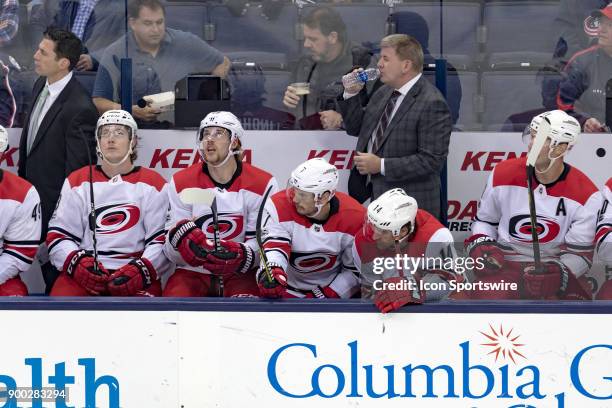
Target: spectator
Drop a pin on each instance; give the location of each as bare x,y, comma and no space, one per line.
9,21
97,23
247,82
160,57
56,130
582,91
404,130
329,56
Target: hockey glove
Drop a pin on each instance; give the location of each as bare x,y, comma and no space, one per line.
190,242
390,299
80,267
234,257
275,289
487,249
132,278
551,282
322,293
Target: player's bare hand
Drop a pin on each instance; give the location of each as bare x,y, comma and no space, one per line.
291,98
592,125
146,114
352,88
330,120
367,163
85,63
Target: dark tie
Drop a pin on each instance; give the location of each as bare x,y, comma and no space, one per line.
384,121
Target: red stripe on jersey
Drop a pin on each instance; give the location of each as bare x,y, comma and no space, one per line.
609,184
602,232
283,246
348,219
576,185
13,187
140,175
53,236
29,251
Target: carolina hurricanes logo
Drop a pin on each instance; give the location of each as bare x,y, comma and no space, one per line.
312,261
116,218
230,225
546,227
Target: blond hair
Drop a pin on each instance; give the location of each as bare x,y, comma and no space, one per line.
407,48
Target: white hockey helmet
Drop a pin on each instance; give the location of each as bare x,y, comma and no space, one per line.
4,144
563,128
315,176
391,211
116,117
225,120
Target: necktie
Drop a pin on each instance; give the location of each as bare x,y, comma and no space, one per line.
384,121
34,119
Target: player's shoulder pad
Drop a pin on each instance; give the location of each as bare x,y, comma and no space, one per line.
427,226
150,177
511,172
80,176
350,215
253,179
285,211
579,187
192,176
14,187
608,185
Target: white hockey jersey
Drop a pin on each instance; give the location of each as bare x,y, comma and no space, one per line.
314,254
20,225
603,236
238,203
130,214
430,248
566,215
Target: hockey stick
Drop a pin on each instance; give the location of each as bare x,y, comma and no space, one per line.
91,218
262,253
532,156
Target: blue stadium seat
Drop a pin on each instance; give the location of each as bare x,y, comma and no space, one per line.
187,16
276,83
460,20
87,79
520,31
254,32
364,22
468,117
509,92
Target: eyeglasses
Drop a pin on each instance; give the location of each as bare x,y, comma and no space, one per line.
213,134
107,133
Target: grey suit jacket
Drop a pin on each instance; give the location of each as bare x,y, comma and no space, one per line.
415,143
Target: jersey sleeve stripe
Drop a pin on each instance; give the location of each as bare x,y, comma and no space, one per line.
19,256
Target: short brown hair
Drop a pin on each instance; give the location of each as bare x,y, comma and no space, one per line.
134,7
326,20
406,47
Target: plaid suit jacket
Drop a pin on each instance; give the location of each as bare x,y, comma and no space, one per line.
415,143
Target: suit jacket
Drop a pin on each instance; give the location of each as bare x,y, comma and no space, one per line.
415,143
59,147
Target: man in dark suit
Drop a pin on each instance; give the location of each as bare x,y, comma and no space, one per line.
403,131
56,130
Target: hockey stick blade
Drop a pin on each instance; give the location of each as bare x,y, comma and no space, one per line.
194,195
262,253
538,142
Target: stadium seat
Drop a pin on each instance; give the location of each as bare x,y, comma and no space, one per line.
254,32
273,60
87,79
276,83
460,23
509,92
187,16
468,118
365,23
520,31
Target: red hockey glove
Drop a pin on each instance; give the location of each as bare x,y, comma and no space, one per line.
190,242
275,289
551,282
80,267
132,278
390,299
234,257
322,293
487,249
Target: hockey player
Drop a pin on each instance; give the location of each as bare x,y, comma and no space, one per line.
603,239
239,189
130,210
566,204
310,230
422,271
20,227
